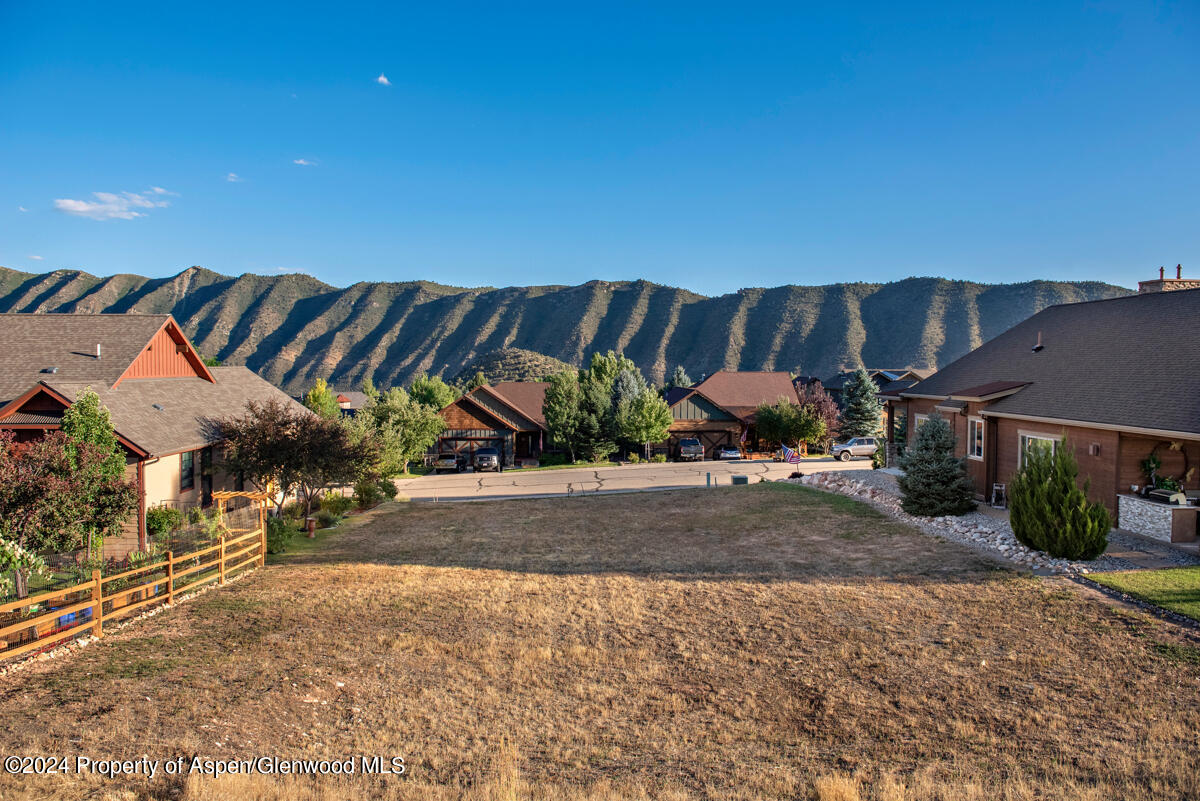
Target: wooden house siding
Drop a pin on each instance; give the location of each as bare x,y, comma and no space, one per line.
164,357
464,415
696,407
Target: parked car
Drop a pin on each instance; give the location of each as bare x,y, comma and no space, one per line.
488,459
690,450
447,462
859,446
727,452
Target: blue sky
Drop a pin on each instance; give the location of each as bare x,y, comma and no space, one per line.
701,145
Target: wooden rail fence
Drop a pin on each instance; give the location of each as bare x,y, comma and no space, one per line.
50,618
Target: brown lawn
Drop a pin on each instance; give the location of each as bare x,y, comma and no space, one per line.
742,643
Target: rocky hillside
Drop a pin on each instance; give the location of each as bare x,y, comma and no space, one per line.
512,364
293,329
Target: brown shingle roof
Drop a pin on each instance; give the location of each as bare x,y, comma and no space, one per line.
188,406
525,397
32,343
737,390
1129,361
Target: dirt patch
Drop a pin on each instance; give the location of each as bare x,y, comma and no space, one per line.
760,642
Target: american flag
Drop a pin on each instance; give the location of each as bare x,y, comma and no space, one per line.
745,431
790,456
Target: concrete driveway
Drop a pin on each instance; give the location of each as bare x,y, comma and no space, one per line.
627,478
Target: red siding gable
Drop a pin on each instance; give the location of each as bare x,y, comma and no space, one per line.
167,355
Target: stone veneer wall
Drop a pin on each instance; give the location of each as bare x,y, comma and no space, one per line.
1144,517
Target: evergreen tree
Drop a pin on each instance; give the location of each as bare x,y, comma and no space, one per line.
322,402
1048,510
561,410
368,387
596,419
679,378
935,483
862,413
478,380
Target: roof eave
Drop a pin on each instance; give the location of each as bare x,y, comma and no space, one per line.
1062,421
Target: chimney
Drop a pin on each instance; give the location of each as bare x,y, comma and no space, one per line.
1164,284
97,350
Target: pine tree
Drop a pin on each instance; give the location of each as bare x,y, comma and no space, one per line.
1048,510
561,410
862,413
934,482
679,378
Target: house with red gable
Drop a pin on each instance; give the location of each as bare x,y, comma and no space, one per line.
161,395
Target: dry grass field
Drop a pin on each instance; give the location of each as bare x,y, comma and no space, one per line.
767,642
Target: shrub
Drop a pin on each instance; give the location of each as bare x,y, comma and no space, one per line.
337,505
635,459
326,518
552,459
1048,510
367,493
293,510
879,457
934,482
387,488
279,534
163,520
659,458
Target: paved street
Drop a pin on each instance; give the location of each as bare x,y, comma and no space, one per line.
628,478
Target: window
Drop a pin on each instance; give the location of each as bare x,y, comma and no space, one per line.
1030,439
187,471
975,438
921,419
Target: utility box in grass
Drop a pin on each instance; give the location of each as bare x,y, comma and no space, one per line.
740,480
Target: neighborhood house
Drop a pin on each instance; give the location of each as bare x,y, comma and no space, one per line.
161,395
721,409
506,416
1116,379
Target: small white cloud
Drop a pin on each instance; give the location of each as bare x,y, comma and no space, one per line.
233,178
382,80
22,208
304,162
109,206
35,258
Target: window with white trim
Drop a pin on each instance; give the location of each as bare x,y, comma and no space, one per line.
975,438
1029,439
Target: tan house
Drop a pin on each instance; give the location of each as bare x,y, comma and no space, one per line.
161,395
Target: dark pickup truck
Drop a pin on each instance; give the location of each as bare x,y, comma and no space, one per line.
690,450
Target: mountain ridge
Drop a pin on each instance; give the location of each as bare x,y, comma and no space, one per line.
292,328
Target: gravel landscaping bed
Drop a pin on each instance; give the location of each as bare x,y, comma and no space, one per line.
977,530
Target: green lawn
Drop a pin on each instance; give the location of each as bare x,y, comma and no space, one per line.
1177,589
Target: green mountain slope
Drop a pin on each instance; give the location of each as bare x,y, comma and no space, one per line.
512,364
293,329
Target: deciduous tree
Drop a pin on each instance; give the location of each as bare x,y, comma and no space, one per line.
321,400
432,392
561,409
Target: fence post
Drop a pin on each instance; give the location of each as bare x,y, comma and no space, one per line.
170,577
221,559
262,541
97,604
